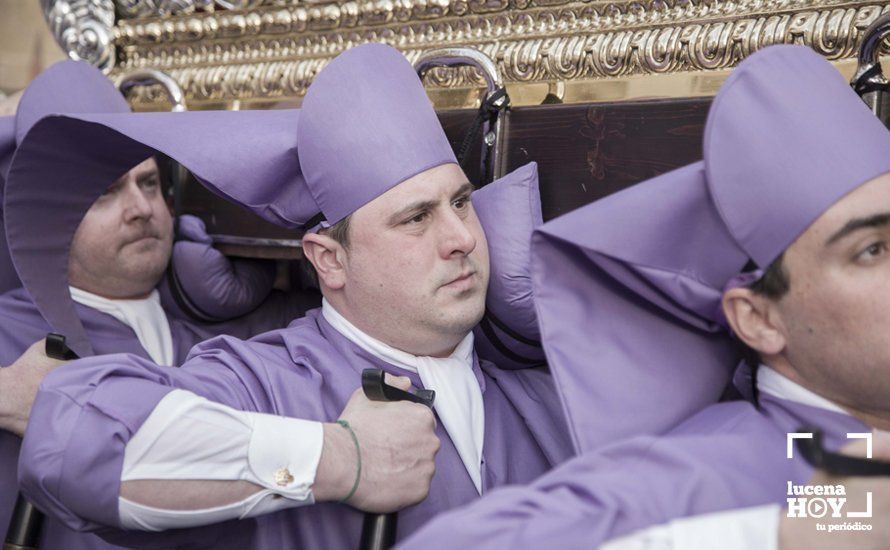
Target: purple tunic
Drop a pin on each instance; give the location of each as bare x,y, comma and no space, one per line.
87,411
704,465
23,325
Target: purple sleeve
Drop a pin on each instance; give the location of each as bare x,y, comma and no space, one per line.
600,496
87,410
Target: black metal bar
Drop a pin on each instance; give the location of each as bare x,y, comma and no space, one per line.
379,530
24,527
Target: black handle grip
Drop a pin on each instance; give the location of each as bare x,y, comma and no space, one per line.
379,530
57,348
376,389
24,526
835,463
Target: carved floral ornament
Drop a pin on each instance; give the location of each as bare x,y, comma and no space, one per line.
249,49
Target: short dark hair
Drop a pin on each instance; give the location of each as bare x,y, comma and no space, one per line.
773,284
340,233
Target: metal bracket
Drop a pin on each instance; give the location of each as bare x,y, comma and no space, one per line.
494,82
869,81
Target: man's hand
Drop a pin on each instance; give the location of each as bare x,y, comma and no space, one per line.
398,445
18,386
802,533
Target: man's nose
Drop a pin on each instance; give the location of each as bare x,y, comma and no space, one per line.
456,236
136,204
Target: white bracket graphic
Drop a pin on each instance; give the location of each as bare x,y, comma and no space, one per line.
790,441
806,435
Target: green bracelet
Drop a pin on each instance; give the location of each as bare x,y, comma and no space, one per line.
358,451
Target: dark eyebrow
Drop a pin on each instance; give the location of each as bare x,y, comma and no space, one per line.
878,220
422,206
464,189
148,175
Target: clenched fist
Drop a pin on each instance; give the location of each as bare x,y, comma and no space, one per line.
398,448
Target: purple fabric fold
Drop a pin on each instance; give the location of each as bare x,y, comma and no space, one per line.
628,289
626,318
509,210
219,287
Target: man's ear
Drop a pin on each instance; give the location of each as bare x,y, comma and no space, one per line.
327,256
754,320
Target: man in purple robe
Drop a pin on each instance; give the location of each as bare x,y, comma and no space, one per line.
779,237
92,260
403,265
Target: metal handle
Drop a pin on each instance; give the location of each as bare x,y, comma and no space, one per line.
869,81
376,389
150,77
459,57
494,82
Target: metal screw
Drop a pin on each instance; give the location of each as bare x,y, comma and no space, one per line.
489,139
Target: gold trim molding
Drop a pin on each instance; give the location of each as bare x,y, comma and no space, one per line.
270,53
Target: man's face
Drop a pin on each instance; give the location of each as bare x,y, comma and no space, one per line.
122,246
417,263
836,315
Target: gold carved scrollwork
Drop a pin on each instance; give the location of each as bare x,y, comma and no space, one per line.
274,50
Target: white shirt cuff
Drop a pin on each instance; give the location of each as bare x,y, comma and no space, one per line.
188,437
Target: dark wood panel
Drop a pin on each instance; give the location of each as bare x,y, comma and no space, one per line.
585,152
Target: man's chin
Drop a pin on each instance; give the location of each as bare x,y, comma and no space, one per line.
465,317
148,267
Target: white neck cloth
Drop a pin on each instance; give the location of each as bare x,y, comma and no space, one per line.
146,317
458,395
772,382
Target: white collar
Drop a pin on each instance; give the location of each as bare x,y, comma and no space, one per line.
87,298
383,351
458,395
778,385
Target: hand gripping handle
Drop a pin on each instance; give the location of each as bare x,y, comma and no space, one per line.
379,530
27,521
